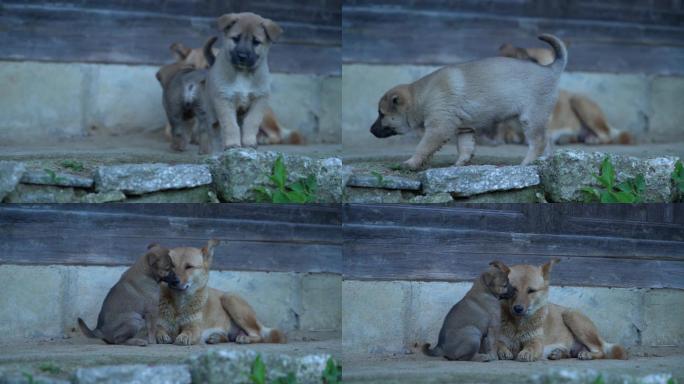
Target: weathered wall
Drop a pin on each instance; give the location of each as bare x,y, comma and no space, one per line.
43,101
45,301
630,316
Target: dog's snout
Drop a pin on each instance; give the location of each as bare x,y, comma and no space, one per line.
518,309
381,132
171,279
242,55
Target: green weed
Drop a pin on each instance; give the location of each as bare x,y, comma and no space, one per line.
629,191
72,164
280,191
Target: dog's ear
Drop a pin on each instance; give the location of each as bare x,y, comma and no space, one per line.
228,20
546,268
273,30
180,51
501,266
208,250
152,245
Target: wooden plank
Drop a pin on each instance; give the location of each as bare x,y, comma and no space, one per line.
145,37
362,263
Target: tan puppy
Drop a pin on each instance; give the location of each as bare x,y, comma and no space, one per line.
132,303
270,130
471,327
532,328
575,118
473,96
239,81
191,313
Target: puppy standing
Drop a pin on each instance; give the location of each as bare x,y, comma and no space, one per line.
132,303
470,328
532,328
239,81
190,312
473,96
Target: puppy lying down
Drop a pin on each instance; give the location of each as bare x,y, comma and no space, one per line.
463,98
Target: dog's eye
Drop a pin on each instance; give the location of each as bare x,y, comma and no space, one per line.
236,38
531,290
256,42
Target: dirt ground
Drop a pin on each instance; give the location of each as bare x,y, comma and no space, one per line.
417,368
66,355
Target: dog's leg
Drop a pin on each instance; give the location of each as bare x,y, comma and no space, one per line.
487,347
194,132
151,325
435,136
252,121
179,133
531,351
165,320
584,330
216,338
226,114
502,351
466,145
189,335
535,132
244,316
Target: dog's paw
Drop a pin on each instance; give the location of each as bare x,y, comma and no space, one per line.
136,342
556,354
585,355
215,338
163,338
484,357
504,354
243,339
412,164
183,339
525,355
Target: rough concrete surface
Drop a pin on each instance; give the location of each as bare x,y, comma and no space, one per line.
137,179
632,317
478,179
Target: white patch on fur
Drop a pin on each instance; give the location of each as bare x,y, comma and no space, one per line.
190,93
265,332
208,332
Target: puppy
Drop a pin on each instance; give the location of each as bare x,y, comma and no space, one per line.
191,313
470,328
184,99
239,81
132,303
575,118
270,130
473,96
532,328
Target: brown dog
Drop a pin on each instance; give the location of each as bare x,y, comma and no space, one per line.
532,328
132,303
191,313
575,118
471,327
271,132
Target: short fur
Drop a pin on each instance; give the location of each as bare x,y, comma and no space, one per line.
470,328
271,132
533,329
473,96
131,305
575,118
191,313
239,81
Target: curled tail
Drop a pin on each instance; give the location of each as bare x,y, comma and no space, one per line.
272,335
434,352
93,334
207,50
559,50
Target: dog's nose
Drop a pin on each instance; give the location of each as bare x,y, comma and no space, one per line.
242,55
518,309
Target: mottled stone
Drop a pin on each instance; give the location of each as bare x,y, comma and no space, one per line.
63,179
372,195
386,182
565,173
239,171
190,195
136,179
31,194
10,174
589,376
476,179
14,377
438,198
103,197
230,366
133,374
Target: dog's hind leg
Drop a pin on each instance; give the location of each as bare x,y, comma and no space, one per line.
584,330
244,316
466,145
535,132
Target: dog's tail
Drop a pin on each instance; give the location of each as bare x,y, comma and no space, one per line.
559,50
434,352
93,334
208,52
272,335
614,351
